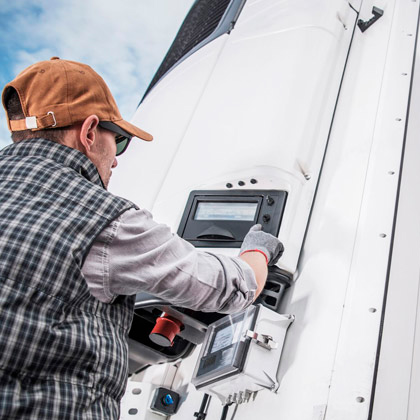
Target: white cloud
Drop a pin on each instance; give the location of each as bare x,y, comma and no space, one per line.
124,42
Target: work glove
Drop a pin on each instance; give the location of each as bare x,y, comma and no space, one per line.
258,241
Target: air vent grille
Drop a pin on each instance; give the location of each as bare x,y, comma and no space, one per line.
200,23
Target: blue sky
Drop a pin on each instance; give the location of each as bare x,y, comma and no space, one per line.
124,42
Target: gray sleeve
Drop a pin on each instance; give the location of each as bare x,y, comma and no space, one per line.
136,254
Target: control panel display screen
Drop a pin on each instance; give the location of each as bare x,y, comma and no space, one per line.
225,211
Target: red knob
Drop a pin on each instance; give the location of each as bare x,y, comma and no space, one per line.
165,330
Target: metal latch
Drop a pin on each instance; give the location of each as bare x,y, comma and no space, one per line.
262,340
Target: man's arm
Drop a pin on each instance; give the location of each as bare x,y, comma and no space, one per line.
136,254
258,263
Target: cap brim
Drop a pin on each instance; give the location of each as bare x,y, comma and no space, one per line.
133,130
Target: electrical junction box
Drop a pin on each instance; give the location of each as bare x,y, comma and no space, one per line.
241,354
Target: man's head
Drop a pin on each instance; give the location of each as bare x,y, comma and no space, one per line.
69,103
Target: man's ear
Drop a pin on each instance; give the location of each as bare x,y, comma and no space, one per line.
87,134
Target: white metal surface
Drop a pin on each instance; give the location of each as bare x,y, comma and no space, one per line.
257,103
328,363
393,47
398,381
136,400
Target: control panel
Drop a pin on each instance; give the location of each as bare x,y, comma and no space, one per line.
221,219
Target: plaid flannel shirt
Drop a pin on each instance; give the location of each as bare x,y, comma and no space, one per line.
63,353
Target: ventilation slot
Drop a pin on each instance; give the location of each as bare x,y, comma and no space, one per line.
274,289
200,23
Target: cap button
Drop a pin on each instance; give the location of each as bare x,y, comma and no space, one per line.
54,58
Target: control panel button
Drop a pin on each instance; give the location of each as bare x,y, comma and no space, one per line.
266,218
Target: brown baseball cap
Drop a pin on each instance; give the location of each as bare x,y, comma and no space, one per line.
59,93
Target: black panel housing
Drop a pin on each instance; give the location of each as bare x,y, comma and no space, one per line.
230,233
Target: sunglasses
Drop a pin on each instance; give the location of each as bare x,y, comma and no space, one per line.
122,144
122,138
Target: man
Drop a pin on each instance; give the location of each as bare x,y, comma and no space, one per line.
72,255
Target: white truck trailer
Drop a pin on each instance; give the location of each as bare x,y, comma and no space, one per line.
302,115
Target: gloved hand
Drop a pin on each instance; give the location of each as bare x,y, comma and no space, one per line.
257,240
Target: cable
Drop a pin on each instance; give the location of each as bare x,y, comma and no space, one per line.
234,411
225,411
202,413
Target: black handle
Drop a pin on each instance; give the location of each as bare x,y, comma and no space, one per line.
377,13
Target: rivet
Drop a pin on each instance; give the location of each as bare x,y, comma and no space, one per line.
382,235
397,119
404,74
373,310
391,173
360,399
253,181
136,391
133,411
241,183
229,185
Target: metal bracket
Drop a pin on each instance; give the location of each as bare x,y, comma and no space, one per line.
262,340
365,24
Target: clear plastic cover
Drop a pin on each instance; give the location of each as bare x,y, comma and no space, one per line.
224,349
